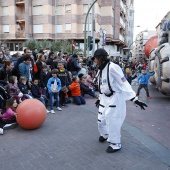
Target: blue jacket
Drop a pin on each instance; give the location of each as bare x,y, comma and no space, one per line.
24,70
143,78
51,81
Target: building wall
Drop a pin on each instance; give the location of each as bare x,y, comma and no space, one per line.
107,17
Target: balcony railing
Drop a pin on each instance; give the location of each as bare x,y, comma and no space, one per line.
121,38
122,22
20,34
20,16
19,1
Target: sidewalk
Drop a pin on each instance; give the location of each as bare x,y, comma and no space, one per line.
68,140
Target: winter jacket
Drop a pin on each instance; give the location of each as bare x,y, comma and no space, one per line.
13,89
36,91
130,78
8,115
24,70
44,77
64,77
23,88
4,77
75,88
72,65
51,81
143,78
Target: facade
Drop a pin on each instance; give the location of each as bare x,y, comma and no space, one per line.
140,41
65,19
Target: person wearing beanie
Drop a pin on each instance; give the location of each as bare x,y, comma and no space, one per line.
114,90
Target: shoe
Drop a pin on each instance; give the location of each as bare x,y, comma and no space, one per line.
52,111
149,97
1,131
102,139
64,105
113,147
10,126
47,111
58,108
137,94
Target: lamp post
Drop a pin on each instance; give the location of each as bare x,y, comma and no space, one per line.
85,27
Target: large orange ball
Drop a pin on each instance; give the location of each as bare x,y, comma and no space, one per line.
31,114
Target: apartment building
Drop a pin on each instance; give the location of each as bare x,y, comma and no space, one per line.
65,19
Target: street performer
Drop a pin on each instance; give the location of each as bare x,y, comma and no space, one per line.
114,90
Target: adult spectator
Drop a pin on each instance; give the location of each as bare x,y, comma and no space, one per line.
7,54
6,71
24,69
1,59
73,66
50,61
39,63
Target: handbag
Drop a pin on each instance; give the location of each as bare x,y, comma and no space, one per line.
64,89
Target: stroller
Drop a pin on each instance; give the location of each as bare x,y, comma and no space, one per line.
3,97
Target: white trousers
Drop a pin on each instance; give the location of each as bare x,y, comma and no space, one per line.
112,112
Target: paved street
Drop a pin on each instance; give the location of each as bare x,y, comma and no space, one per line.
68,140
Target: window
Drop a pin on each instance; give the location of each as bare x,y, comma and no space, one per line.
37,28
5,11
87,27
5,28
58,29
68,27
86,8
38,10
68,8
59,10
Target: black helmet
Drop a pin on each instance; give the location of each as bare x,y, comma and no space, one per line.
101,53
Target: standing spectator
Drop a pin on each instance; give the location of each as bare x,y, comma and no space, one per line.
1,59
64,76
7,54
76,92
44,77
130,77
73,66
24,69
50,61
39,63
54,87
143,82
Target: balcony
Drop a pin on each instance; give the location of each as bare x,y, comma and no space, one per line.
123,6
121,38
122,22
20,34
19,2
20,17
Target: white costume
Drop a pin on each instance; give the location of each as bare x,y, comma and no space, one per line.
112,110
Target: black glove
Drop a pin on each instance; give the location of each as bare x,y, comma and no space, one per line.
139,103
97,103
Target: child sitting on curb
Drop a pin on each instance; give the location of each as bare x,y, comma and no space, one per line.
76,92
9,116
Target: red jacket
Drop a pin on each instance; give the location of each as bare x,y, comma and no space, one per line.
75,89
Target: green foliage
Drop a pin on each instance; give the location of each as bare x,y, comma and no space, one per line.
59,45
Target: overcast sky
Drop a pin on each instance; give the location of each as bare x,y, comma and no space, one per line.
148,14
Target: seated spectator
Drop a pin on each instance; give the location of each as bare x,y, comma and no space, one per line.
9,116
85,89
14,90
76,92
37,92
24,87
